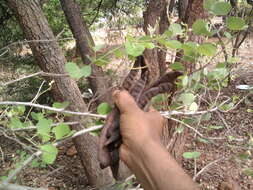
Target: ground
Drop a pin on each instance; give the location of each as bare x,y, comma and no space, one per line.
225,158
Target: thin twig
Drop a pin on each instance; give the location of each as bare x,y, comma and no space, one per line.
196,131
53,125
52,109
206,167
39,152
33,75
35,41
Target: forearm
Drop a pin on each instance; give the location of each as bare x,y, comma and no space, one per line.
157,170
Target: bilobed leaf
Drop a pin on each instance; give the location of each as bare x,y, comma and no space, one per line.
19,110
16,123
86,70
44,128
191,155
60,105
180,129
218,74
49,153
221,8
207,49
118,53
61,131
235,23
159,98
134,49
177,66
200,27
73,70
176,29
193,106
173,44
37,116
104,108
185,80
206,117
228,35
187,98
208,4
149,45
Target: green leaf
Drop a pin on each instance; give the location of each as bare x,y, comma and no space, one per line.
61,105
159,98
185,80
44,128
187,98
19,110
177,66
190,51
235,23
211,127
104,108
180,129
16,123
73,70
221,8
203,140
149,45
218,74
207,49
191,155
208,4
176,29
61,131
134,49
193,106
37,116
233,59
101,61
206,117
118,53
228,35
173,44
248,172
200,27
85,71
49,153
227,107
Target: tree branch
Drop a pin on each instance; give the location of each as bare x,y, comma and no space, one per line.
52,109
39,152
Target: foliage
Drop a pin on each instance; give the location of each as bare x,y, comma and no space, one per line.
49,126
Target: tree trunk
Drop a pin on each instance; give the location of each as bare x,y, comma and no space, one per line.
84,41
156,16
51,59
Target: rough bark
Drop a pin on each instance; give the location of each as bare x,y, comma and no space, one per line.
50,58
189,12
156,16
157,12
84,41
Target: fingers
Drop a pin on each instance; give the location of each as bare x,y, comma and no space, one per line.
125,102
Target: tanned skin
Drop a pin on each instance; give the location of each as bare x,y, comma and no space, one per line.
142,149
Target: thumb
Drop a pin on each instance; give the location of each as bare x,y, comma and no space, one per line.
125,102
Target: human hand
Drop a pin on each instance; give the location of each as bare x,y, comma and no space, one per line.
138,128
